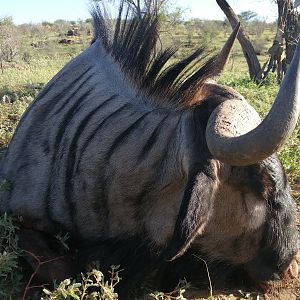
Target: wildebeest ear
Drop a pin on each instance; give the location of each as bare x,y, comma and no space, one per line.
193,215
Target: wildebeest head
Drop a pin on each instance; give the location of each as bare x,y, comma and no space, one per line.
120,148
248,219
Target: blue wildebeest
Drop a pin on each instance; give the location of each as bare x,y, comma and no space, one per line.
144,162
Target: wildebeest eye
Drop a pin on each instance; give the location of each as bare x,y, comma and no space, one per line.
277,206
259,180
246,179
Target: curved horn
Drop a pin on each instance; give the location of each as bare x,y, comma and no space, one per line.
239,145
223,56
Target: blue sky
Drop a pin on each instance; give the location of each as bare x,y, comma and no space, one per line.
25,11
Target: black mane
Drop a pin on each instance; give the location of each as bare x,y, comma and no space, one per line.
132,42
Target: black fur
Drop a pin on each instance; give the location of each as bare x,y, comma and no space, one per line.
120,139
133,44
193,213
96,130
151,140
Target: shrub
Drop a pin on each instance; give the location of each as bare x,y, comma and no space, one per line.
92,286
10,271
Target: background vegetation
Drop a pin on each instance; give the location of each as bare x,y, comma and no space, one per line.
31,54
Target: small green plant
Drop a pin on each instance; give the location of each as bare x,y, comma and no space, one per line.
177,294
10,271
92,286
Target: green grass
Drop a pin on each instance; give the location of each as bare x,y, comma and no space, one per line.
18,87
10,270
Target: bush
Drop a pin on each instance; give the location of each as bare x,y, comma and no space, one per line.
92,286
10,271
9,41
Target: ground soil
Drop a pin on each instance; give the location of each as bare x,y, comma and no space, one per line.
288,290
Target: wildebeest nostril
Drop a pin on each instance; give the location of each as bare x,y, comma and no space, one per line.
293,269
276,276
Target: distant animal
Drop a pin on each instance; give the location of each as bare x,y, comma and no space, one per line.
65,41
39,44
73,32
149,163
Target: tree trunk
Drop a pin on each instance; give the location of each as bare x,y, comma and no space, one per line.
292,30
254,66
277,60
284,44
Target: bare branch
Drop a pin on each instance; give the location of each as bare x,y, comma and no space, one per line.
247,47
